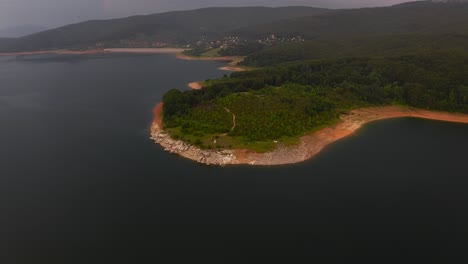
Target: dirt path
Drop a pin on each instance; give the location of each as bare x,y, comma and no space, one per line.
233,118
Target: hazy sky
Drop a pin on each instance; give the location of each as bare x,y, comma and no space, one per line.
53,13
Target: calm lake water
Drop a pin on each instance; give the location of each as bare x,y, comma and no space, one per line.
81,182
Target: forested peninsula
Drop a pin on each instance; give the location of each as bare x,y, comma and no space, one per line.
318,78
303,76
267,116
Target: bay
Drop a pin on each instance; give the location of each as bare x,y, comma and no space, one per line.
80,180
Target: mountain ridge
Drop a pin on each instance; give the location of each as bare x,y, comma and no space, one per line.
172,28
420,17
254,24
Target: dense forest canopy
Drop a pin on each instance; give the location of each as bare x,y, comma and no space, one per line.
410,18
291,99
354,46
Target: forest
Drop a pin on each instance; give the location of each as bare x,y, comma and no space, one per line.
359,46
285,101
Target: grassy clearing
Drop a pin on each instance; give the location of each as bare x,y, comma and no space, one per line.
222,141
211,53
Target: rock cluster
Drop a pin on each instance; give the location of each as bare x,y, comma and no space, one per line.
209,157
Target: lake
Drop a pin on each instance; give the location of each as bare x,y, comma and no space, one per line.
81,182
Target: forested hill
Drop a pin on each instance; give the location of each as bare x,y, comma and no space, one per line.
173,28
254,24
291,99
410,18
355,46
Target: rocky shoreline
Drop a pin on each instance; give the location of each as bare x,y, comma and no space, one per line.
208,157
309,146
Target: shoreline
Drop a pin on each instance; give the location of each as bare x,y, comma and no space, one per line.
209,157
232,66
309,146
146,50
195,85
231,60
99,51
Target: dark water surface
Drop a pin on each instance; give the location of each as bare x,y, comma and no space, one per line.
80,181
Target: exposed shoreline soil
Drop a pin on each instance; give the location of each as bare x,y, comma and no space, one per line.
232,66
146,50
231,60
309,146
195,85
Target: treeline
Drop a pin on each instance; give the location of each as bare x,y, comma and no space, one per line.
290,99
242,49
418,18
196,52
358,46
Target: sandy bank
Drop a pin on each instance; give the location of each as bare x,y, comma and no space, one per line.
310,145
195,85
146,50
157,111
222,58
232,66
232,61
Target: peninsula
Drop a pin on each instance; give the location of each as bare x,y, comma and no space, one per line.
297,72
308,146
289,113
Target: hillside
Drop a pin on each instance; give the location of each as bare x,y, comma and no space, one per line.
355,46
175,28
410,18
253,25
283,102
